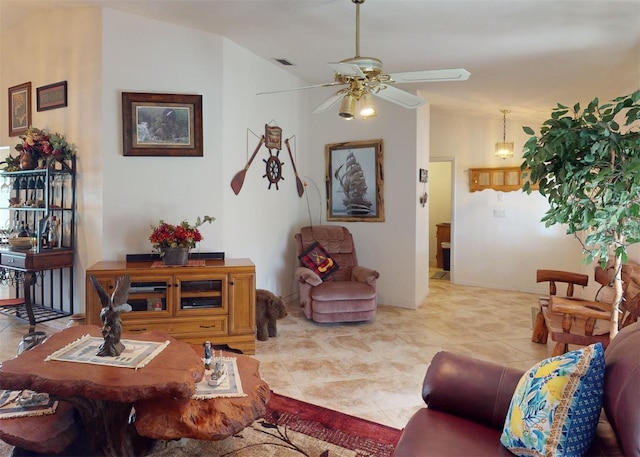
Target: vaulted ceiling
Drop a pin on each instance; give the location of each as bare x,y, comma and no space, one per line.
523,55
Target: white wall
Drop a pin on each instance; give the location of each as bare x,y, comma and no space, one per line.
420,235
104,52
261,223
31,52
389,246
151,56
143,55
497,252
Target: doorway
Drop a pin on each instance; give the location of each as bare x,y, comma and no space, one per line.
440,217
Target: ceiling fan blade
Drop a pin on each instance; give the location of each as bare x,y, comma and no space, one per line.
347,69
329,102
452,74
399,97
334,83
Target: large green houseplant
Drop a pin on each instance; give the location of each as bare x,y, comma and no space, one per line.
586,162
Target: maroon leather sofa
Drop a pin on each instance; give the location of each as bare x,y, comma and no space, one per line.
468,399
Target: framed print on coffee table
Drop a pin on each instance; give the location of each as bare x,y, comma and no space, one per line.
19,109
161,124
354,180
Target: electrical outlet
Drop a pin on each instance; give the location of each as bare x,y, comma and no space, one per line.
501,213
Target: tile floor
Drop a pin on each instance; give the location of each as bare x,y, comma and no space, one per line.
375,369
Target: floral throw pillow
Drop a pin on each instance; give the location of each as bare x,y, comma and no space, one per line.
555,408
317,259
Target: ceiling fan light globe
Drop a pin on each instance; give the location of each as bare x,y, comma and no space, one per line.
347,107
367,109
367,113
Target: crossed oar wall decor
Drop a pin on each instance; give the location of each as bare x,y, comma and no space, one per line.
272,138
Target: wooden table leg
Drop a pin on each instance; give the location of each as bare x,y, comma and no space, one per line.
540,332
107,430
28,281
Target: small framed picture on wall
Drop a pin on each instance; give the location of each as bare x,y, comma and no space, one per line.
51,96
19,109
423,175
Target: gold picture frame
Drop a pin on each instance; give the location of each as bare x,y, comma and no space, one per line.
161,124
354,181
19,109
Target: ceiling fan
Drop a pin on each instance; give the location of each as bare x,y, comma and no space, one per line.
363,77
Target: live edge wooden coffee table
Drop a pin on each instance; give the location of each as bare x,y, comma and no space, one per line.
104,396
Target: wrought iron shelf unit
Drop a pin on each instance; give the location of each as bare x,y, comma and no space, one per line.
40,276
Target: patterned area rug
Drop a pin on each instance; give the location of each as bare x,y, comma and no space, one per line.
290,428
294,428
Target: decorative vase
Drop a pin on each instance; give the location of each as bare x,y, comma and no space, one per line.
175,256
26,161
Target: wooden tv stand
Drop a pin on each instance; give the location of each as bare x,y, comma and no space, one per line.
212,301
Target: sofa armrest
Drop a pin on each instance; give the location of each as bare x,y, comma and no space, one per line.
364,274
304,274
470,388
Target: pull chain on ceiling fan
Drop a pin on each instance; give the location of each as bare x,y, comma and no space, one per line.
363,79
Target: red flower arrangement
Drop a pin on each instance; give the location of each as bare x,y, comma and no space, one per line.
182,235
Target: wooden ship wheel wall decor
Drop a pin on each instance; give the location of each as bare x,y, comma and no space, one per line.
272,139
273,169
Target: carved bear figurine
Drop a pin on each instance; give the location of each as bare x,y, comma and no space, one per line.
269,308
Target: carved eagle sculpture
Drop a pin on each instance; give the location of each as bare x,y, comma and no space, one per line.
112,306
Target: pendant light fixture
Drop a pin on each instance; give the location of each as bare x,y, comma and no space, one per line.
504,148
357,95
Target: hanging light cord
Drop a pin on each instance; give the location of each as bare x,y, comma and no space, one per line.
504,126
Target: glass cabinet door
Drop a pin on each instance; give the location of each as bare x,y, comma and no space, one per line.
149,295
207,294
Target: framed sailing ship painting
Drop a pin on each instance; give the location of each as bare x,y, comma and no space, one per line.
354,180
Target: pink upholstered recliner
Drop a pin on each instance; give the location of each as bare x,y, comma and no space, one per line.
348,294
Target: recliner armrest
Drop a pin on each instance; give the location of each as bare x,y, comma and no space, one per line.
470,388
364,274
304,274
